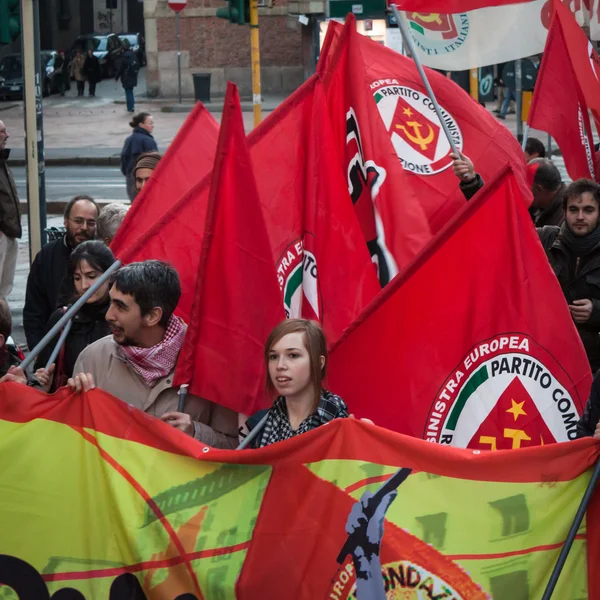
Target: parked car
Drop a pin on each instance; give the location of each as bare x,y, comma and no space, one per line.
106,48
11,75
137,44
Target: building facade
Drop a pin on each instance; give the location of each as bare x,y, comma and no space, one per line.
213,45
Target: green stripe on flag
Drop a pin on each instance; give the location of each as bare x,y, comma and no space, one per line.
478,378
293,283
378,97
416,27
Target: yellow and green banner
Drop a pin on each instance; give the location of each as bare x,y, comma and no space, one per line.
101,501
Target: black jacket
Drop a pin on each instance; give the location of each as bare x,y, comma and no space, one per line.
137,143
10,213
553,214
8,358
579,279
126,71
48,287
89,325
591,415
91,69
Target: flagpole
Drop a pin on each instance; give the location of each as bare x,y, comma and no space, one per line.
525,136
70,314
61,341
408,42
564,553
252,434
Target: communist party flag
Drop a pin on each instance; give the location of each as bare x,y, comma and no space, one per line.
460,347
559,104
323,264
449,6
323,268
237,301
188,159
396,154
121,505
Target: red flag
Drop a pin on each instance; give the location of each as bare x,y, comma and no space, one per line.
462,335
323,264
305,199
237,301
449,6
558,106
396,151
188,159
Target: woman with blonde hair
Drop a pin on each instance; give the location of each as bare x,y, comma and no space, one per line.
296,363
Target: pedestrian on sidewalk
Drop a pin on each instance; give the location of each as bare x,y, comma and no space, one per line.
10,219
128,73
91,69
139,142
87,262
61,73
48,285
77,72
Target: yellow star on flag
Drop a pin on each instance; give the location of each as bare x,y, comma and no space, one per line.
408,112
516,409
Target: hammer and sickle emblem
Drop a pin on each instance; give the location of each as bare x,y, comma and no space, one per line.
416,137
428,18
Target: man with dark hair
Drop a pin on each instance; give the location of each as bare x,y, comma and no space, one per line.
137,362
534,148
546,186
573,251
48,286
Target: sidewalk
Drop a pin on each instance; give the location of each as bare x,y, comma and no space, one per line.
92,130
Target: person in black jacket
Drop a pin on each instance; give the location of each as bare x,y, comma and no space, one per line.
589,424
128,73
91,69
87,262
47,285
139,142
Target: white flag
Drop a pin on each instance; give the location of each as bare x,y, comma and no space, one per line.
480,37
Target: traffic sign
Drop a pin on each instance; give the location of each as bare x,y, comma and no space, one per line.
177,5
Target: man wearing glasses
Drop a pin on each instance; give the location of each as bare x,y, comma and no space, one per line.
48,284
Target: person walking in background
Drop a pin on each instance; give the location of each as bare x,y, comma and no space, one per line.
77,71
128,73
139,142
10,219
61,73
91,69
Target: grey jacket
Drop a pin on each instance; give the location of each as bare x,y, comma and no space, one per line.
10,213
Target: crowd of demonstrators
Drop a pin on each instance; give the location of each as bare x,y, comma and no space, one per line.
8,355
139,142
110,219
48,286
127,72
10,219
86,264
137,362
296,362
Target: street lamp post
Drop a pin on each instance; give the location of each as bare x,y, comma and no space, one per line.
178,6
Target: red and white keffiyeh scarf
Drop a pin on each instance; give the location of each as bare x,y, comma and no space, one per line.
154,363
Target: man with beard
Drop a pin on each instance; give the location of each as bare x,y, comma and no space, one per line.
137,362
48,285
